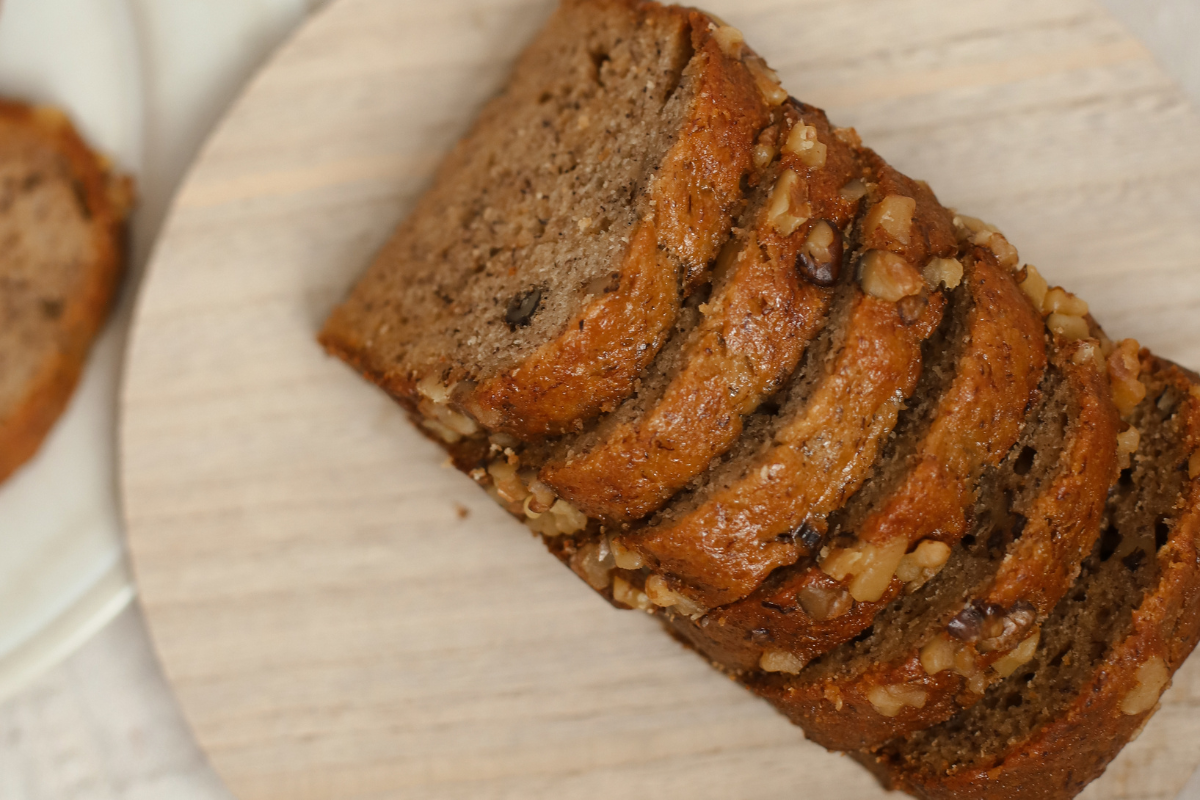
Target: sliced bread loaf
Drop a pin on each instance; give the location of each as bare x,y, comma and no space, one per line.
768,302
61,215
936,650
545,268
982,372
1109,649
716,544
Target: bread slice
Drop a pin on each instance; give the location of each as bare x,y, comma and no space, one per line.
716,544
767,303
1108,651
937,650
982,374
545,268
61,215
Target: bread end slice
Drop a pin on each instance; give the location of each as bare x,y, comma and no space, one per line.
62,210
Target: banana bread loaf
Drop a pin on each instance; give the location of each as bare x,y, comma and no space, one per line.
739,372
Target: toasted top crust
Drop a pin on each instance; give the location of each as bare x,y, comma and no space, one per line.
545,268
760,317
995,379
842,710
60,220
721,549
1055,759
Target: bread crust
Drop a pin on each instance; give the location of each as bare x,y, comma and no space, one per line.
1059,758
1063,525
721,551
107,198
975,423
754,330
593,361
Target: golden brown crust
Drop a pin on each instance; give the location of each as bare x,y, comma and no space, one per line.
722,551
107,198
975,424
1063,524
754,330
1059,758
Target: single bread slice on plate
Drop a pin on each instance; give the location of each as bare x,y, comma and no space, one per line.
770,297
546,267
1110,647
61,215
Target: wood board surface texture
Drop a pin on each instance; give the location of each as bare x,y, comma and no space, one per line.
340,615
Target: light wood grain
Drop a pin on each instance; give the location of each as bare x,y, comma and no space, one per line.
331,625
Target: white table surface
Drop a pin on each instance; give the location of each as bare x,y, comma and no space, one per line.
103,724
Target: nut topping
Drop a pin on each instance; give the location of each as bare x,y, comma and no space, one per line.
1019,657
1127,444
872,567
889,701
1060,301
822,603
625,558
781,661
894,214
730,40
767,81
1152,678
1034,286
1123,370
820,259
763,155
779,209
917,567
938,655
948,271
1069,328
623,592
853,191
804,144
888,276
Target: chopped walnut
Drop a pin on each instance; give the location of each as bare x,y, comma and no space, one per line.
509,486
938,655
1068,327
917,567
1060,301
1127,444
1021,655
542,497
823,603
1124,366
781,661
853,191
568,518
625,558
1152,678
871,566
889,277
593,562
1006,254
967,227
947,271
894,214
889,701
1089,352
779,209
730,40
1034,286
432,388
802,142
623,592
763,155
848,136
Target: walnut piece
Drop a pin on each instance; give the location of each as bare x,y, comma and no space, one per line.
781,661
947,271
894,214
871,566
889,277
803,143
1152,678
889,701
824,603
1018,657
779,208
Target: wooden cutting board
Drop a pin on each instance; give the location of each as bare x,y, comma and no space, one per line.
343,617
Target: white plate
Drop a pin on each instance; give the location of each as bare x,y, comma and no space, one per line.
62,571
143,80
